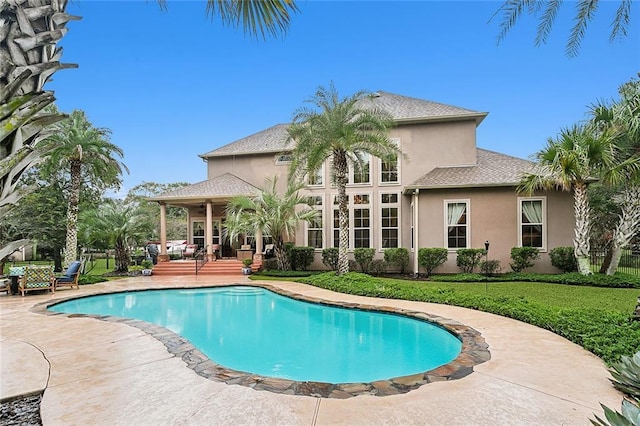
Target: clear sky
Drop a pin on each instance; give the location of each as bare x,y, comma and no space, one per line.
172,85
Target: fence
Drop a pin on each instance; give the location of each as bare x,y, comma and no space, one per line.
629,261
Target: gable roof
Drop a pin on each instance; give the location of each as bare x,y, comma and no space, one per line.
492,169
223,186
403,109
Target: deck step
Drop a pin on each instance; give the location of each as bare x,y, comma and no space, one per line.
188,267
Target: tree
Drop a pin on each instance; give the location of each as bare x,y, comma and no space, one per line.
84,149
271,214
546,12
29,57
343,131
569,162
118,224
622,117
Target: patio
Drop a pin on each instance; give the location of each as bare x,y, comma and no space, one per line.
98,372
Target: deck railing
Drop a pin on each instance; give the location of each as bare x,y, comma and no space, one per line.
201,258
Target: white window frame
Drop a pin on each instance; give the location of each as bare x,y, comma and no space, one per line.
382,205
204,231
467,202
321,174
352,168
321,209
352,207
543,199
396,141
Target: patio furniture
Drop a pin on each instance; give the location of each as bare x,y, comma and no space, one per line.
215,249
15,273
190,250
269,251
70,278
4,285
37,278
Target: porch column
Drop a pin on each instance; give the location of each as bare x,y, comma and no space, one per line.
416,231
208,230
258,253
163,256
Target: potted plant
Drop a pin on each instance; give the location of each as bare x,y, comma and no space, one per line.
246,269
147,265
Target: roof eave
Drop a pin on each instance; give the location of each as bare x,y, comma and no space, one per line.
477,116
410,188
231,154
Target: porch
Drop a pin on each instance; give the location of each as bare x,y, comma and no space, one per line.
188,267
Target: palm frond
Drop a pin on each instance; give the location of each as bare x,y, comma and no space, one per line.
257,18
621,21
547,20
511,10
586,10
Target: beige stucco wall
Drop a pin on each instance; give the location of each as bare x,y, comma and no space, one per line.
251,168
494,217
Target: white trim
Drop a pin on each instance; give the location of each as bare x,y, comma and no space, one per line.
323,177
381,205
543,199
446,203
379,167
350,174
322,210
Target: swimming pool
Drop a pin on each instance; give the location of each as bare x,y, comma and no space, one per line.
255,330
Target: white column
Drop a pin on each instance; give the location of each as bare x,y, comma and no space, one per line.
416,231
258,253
208,230
163,233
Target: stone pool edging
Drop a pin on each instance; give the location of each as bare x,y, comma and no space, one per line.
474,350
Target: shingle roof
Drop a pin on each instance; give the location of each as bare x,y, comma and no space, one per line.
401,108
226,185
492,169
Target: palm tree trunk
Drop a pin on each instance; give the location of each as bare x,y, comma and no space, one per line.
281,256
121,256
581,238
341,170
628,225
71,247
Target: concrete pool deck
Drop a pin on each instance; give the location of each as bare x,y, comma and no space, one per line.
106,373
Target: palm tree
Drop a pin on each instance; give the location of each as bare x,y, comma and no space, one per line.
85,150
623,118
271,214
344,131
119,225
512,10
29,34
569,162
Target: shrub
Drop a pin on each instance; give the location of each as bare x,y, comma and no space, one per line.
302,258
564,259
490,267
247,262
523,258
468,259
330,258
270,264
431,258
364,257
378,267
146,264
399,257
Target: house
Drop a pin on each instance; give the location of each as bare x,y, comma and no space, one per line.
446,193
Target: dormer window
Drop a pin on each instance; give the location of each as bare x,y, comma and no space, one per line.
284,158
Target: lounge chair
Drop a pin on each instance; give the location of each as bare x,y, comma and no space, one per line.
37,278
70,278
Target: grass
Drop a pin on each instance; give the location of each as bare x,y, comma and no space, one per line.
94,269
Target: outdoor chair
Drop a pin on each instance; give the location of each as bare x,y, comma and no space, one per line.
37,278
70,278
4,285
268,251
190,250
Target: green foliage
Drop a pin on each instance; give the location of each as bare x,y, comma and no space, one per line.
564,259
523,257
90,279
270,264
146,264
398,257
597,280
630,416
274,273
330,258
468,259
302,257
378,267
626,378
607,334
364,257
247,262
490,267
431,258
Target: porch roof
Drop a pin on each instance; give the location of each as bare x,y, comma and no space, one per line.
491,169
224,186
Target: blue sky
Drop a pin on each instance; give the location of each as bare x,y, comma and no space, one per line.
175,84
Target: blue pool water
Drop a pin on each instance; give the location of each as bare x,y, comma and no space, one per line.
255,330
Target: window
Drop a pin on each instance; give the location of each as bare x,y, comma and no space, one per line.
198,233
317,178
361,221
361,173
336,228
390,170
457,224
389,215
215,228
532,214
284,158
315,230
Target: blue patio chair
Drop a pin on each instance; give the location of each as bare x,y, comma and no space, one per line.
70,278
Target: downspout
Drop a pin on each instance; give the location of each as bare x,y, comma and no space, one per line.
416,232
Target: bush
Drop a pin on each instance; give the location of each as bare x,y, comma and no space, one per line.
523,258
330,258
378,267
431,258
247,262
364,257
399,257
564,259
270,264
618,280
301,258
146,264
468,259
490,267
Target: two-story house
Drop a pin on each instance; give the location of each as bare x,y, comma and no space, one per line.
445,193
